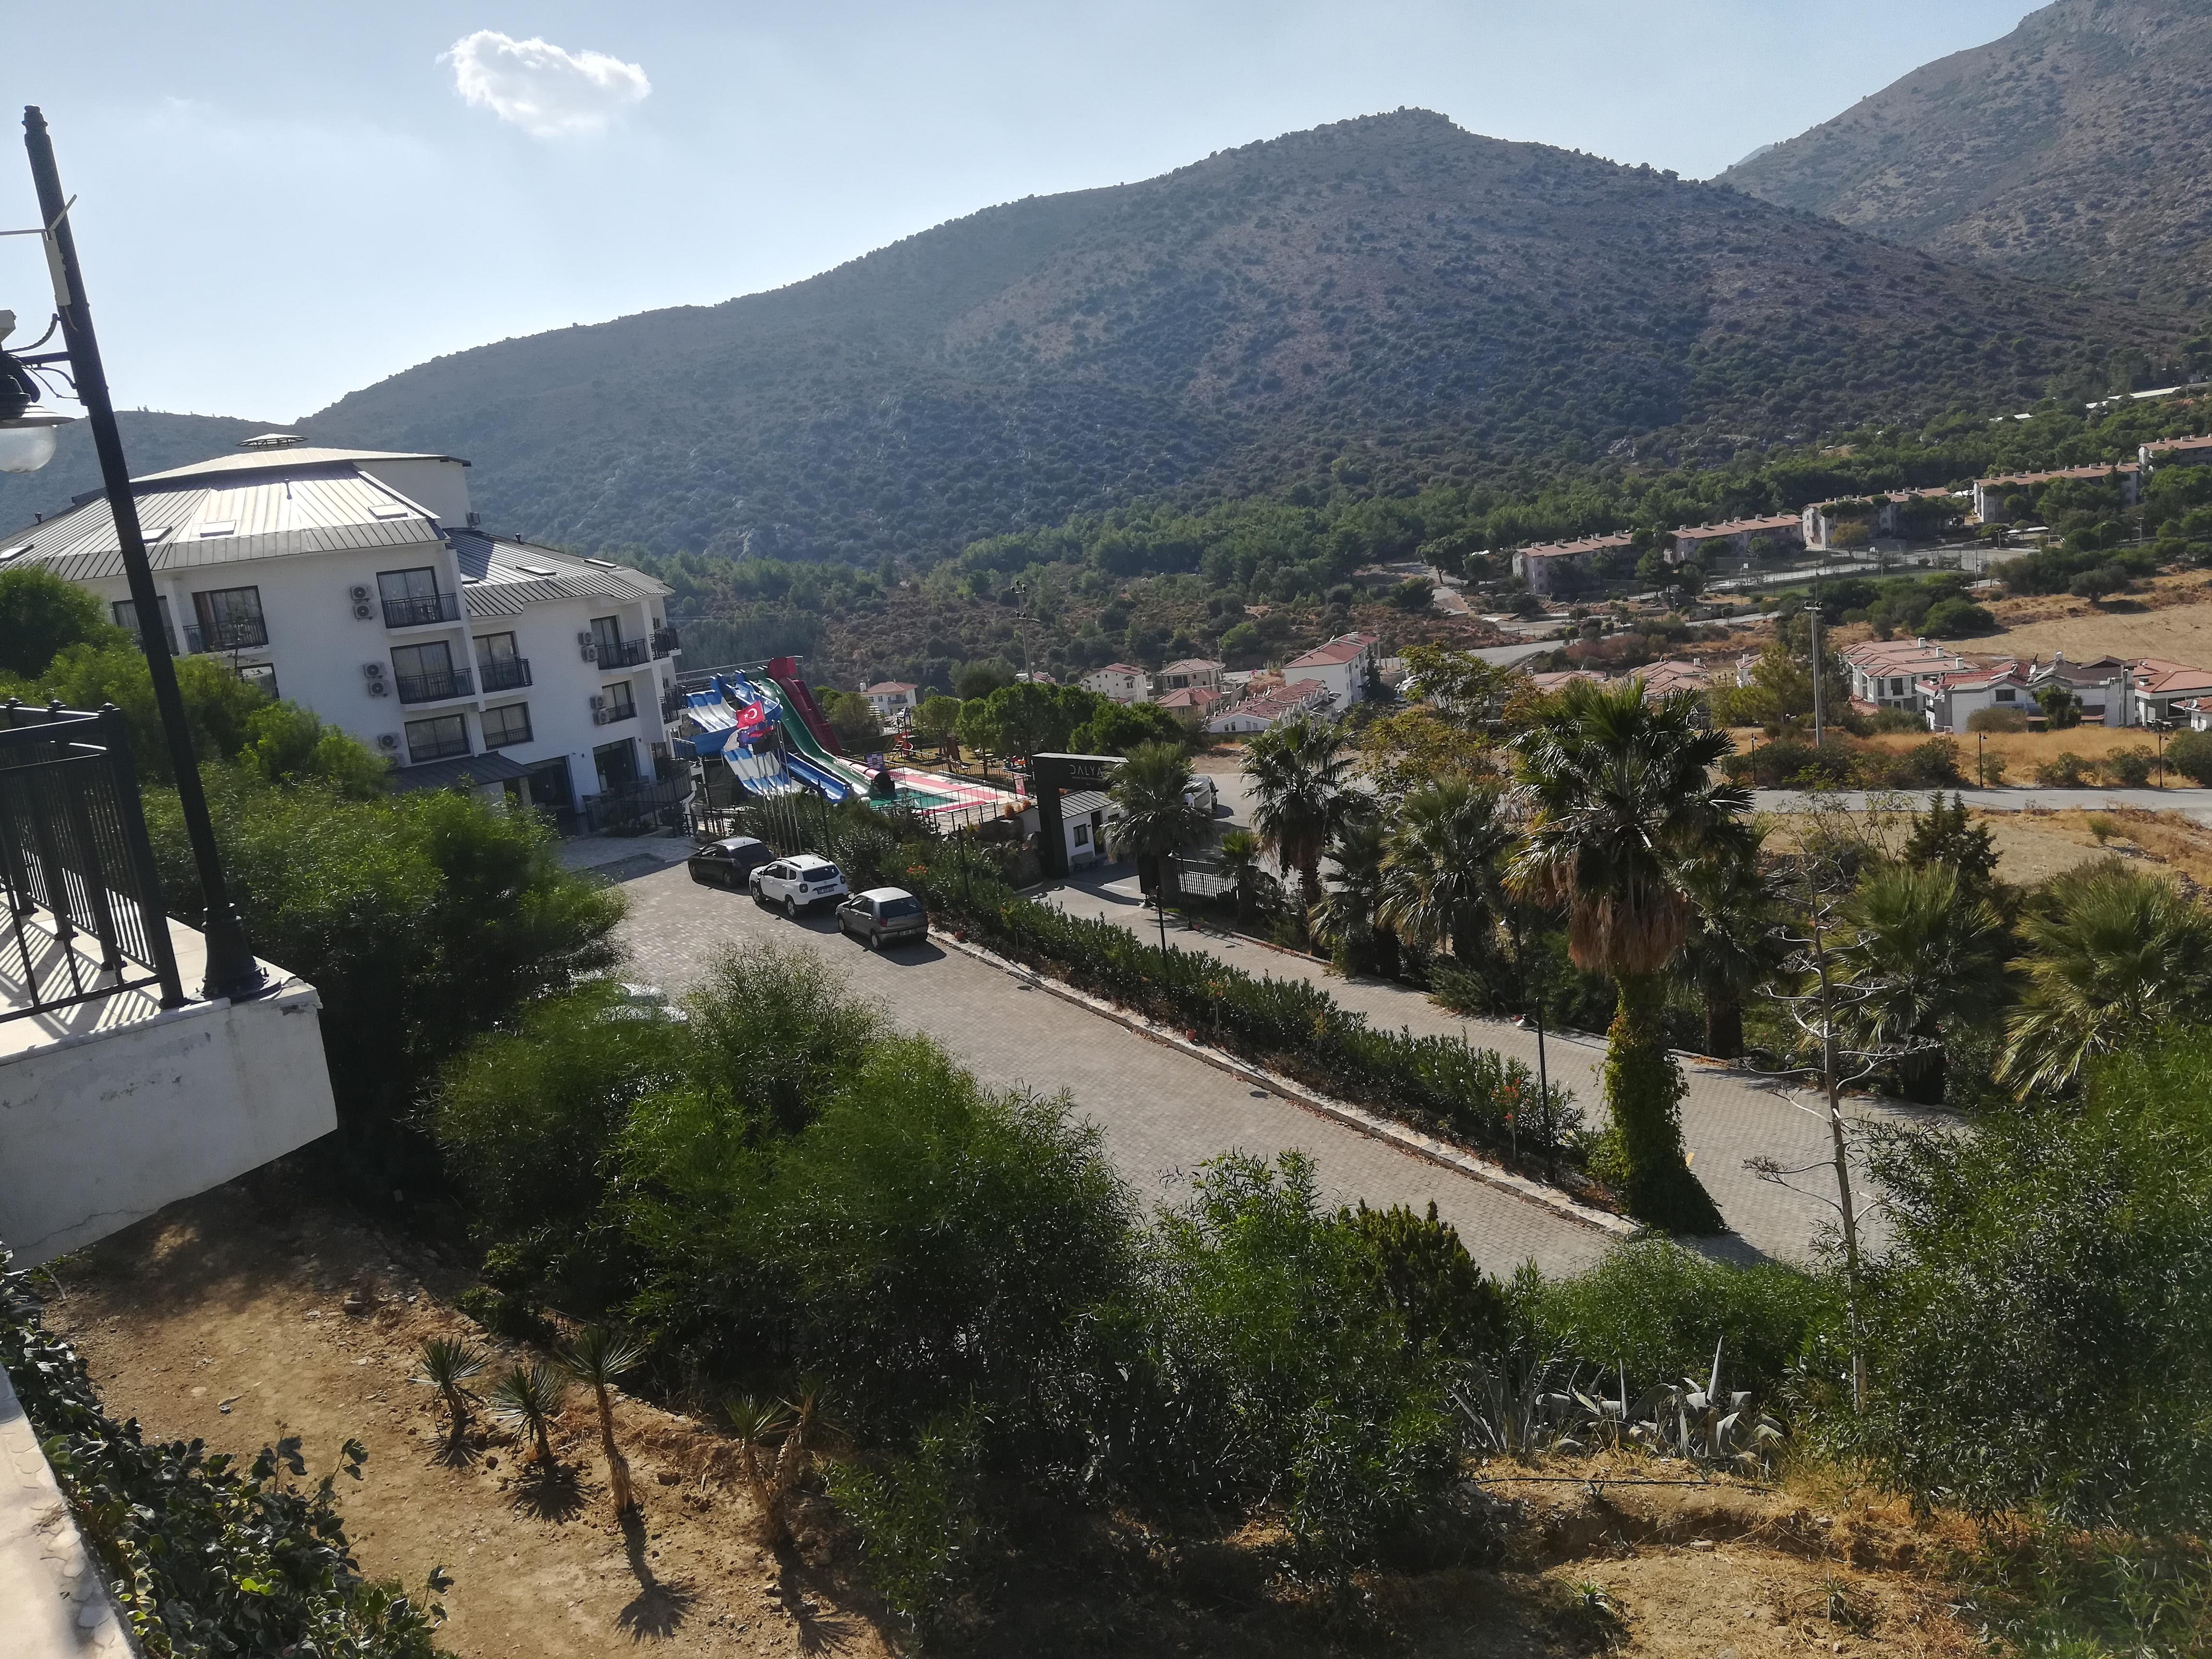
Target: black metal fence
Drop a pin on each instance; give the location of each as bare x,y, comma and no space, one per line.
84,918
640,805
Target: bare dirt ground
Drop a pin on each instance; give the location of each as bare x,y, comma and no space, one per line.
2036,844
225,1319
2168,616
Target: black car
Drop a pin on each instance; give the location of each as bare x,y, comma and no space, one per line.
729,863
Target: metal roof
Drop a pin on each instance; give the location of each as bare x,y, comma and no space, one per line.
286,459
498,580
463,771
329,510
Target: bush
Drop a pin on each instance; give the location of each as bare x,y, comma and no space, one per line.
1930,765
2131,767
1992,769
2190,753
2064,770
1997,719
1656,1310
204,1556
42,614
918,1517
2040,1331
1952,619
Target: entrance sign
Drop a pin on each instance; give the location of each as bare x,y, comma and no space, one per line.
1050,774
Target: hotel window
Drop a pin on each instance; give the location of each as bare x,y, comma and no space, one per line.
508,724
230,618
126,618
438,738
620,703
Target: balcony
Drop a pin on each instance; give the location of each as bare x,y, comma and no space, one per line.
422,609
240,634
506,674
436,687
622,654
128,1090
665,642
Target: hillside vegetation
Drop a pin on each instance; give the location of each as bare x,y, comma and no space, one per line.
2074,149
1389,298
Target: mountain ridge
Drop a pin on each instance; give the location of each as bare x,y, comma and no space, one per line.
1390,298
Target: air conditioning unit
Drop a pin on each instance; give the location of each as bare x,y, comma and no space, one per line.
388,741
378,689
372,670
363,610
584,644
359,593
598,703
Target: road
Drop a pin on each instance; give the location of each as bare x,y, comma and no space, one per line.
1728,1116
1161,1113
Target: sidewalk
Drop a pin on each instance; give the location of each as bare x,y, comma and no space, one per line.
1727,1116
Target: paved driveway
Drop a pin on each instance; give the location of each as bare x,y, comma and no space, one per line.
1727,1117
1161,1112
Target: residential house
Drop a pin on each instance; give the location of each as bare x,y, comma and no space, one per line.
1559,679
357,583
1120,682
1731,539
1950,697
2162,688
2173,452
1820,521
2104,685
1341,665
2196,713
1201,672
892,699
1564,567
1991,495
1672,675
1887,673
1270,709
1191,700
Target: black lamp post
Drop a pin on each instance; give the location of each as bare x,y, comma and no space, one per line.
232,971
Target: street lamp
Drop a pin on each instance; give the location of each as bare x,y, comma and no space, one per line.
27,432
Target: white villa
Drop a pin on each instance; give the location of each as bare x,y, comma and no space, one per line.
358,584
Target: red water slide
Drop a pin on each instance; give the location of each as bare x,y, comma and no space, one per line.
784,670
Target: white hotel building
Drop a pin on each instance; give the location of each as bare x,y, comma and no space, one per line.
357,584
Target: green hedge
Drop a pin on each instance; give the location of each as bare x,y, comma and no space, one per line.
202,1556
1474,1095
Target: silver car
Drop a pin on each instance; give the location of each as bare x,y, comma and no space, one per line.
883,916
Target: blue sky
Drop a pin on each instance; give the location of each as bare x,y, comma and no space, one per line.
279,203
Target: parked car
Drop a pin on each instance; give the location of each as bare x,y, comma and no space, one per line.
883,916
1199,792
798,884
728,863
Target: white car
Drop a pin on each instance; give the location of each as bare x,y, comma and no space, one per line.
797,883
1199,792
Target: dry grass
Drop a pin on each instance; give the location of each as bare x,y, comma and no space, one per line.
2035,845
2169,616
2023,751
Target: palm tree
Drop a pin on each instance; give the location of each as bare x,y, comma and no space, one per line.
526,1400
1734,943
1346,920
2115,956
1240,861
1297,771
1440,876
597,1360
448,1365
1157,821
1923,947
755,1422
1622,807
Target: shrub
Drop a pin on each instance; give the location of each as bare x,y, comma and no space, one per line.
1952,619
2064,770
1997,719
918,1518
1993,770
1656,1310
2102,827
1930,765
2131,767
1893,719
2074,1242
42,614
2190,753
204,1556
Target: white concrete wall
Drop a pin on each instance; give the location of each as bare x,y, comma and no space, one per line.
442,487
100,1129
53,1604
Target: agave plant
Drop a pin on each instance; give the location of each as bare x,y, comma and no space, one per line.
526,1400
597,1360
448,1365
1530,1408
1702,1425
756,1423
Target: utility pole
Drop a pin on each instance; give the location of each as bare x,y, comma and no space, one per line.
232,971
1840,1150
1819,711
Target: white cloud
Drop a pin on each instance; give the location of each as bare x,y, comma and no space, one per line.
546,91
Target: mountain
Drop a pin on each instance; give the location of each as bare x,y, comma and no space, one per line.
2078,149
1383,300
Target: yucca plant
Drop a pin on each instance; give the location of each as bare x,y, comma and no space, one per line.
448,1365
756,1422
526,1400
596,1359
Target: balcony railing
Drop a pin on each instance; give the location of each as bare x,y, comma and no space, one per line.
436,687
431,748
622,654
504,674
614,714
419,610
664,640
80,903
242,634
